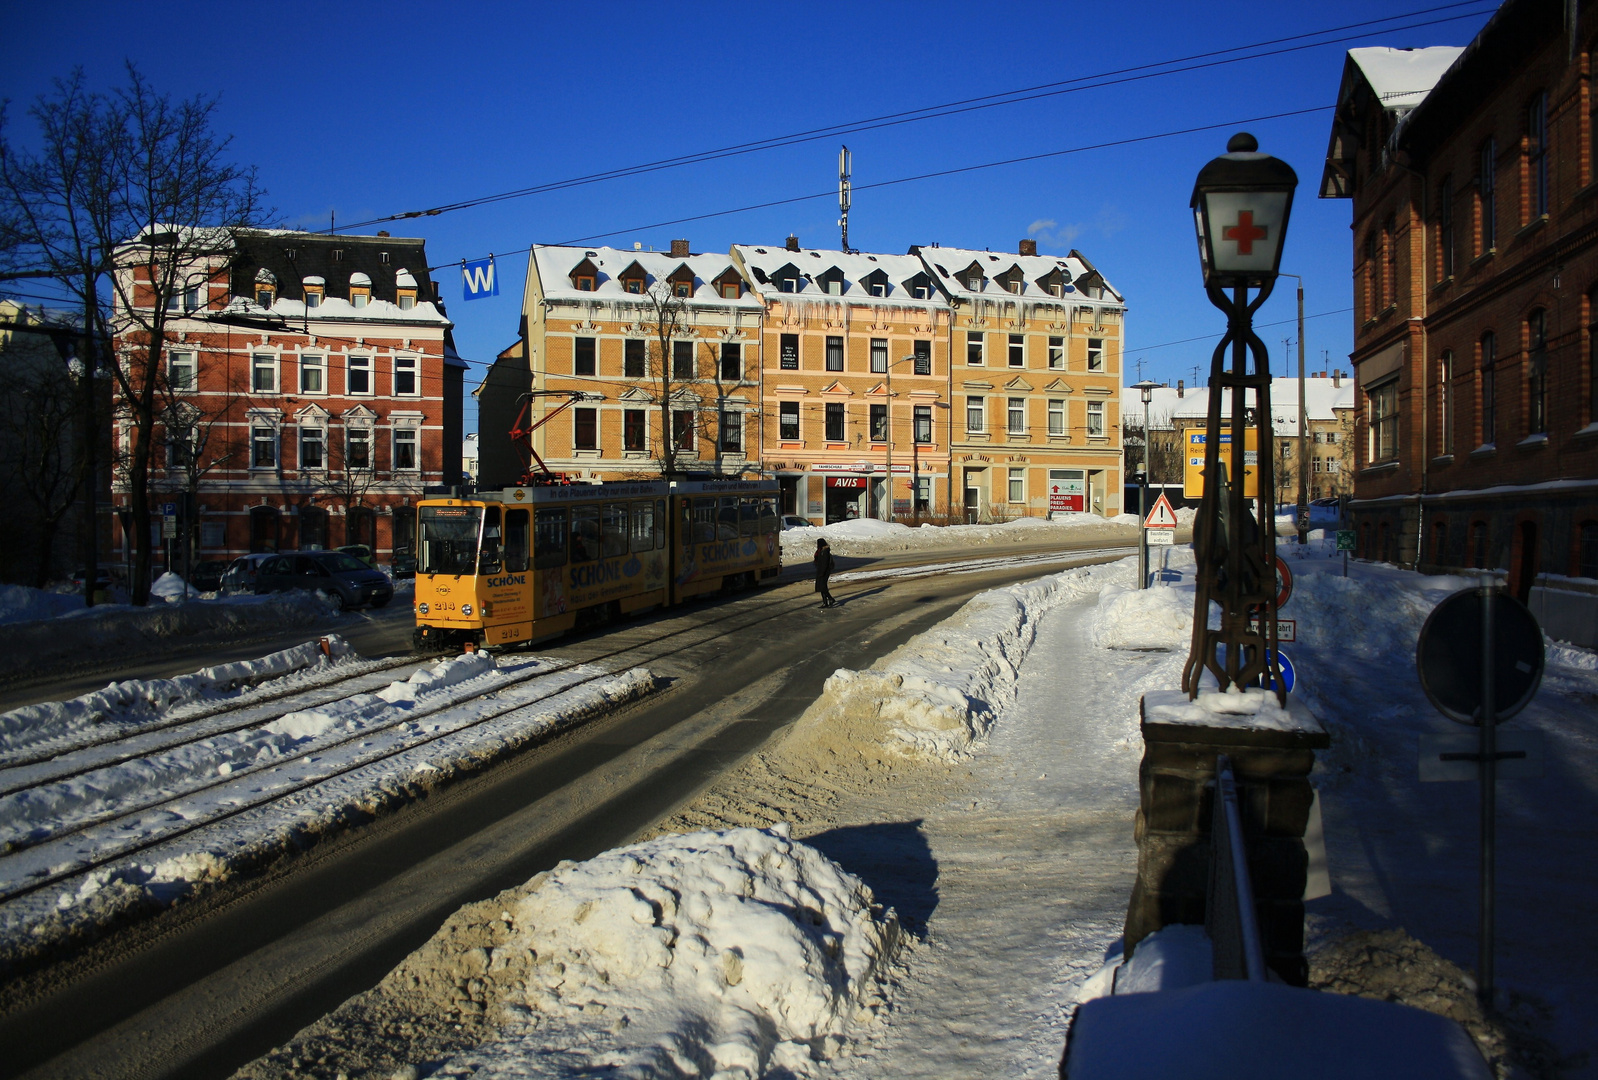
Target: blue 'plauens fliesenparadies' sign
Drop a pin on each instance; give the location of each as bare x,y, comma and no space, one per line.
479,279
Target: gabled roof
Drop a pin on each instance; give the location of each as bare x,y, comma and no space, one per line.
552,268
768,265
950,267
1397,80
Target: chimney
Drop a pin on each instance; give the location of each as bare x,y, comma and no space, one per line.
1337,377
1181,388
793,242
679,249
1029,247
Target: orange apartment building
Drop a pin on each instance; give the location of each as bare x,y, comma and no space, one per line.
1035,382
842,329
309,397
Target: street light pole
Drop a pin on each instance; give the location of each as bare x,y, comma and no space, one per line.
1146,388
1302,517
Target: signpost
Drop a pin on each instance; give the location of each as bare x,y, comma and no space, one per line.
1480,658
1345,544
1158,528
1193,469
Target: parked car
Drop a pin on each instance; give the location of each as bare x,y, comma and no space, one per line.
794,521
207,575
343,577
361,552
404,567
240,575
102,578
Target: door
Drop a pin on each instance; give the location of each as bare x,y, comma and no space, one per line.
973,502
1096,490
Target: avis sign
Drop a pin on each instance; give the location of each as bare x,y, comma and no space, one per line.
479,279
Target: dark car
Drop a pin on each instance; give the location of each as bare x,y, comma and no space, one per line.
207,576
102,578
239,578
344,578
404,566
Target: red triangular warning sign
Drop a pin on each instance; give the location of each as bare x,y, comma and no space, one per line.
1161,516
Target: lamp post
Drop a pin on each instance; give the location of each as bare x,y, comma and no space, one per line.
891,365
1241,204
1301,519
1146,388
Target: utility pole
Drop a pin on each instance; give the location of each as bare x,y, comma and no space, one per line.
845,165
1302,516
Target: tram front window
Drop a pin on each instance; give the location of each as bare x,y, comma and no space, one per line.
449,539
489,559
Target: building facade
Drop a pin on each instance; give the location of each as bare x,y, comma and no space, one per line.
1471,175
1035,382
854,363
309,396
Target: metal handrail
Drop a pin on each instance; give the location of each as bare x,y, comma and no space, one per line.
1229,917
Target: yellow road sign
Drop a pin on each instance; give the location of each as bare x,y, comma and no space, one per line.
1193,467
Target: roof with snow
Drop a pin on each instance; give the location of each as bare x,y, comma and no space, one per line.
559,270
861,277
1399,79
1168,409
967,273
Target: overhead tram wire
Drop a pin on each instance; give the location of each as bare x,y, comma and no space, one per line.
1009,97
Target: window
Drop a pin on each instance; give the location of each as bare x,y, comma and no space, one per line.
313,448
1017,350
633,361
358,454
1489,426
1057,352
730,290
1537,372
1383,401
833,286
634,429
1445,226
1373,277
407,299
1445,402
359,298
585,429
516,536
879,355
1017,491
1013,285
1017,416
1095,418
732,431
1587,552
180,371
311,373
682,429
643,534
634,285
405,449
835,354
264,295
405,376
923,424
923,355
788,421
878,289
1537,155
263,373
1486,195
183,298
1331,437
1287,449
879,423
921,292
263,447
835,421
585,283
1095,354
313,297
973,415
973,348
583,356
1056,416
787,284
682,359
358,375
338,254
682,288
788,352
732,363
1318,464
923,494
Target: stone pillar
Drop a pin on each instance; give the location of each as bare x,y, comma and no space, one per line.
1272,751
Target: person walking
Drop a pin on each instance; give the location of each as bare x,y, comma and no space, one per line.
823,562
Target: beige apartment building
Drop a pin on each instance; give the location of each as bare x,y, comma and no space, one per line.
854,363
1035,382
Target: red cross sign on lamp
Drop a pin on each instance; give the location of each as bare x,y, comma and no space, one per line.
1240,205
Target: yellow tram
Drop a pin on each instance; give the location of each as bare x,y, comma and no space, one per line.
526,563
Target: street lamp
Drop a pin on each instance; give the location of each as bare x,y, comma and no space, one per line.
889,408
1302,517
1241,202
1146,388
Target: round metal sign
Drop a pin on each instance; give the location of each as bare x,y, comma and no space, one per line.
1284,582
1449,656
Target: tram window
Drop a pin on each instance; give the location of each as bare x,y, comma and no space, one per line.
449,539
748,517
549,539
516,541
615,519
643,526
704,520
727,520
585,533
768,516
488,560
660,523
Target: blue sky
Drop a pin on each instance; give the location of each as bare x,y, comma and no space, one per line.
380,109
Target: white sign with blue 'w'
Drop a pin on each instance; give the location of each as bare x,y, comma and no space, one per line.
479,279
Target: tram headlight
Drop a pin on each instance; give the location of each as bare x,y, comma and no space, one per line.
466,609
422,607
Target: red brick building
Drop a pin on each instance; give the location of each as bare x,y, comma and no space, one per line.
1475,229
310,395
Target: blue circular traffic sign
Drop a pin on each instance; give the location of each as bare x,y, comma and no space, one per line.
1289,678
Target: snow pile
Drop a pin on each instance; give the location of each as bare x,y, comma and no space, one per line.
172,588
866,536
60,724
733,954
19,603
1145,619
938,695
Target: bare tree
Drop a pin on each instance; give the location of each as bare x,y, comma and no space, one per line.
684,384
199,439
666,318
1162,445
351,471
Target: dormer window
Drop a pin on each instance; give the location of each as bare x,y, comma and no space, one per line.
265,287
633,278
338,254
788,284
584,283
921,292
682,281
407,299
730,290
585,276
876,283
1014,285
315,287
382,257
831,281
633,285
264,295
360,289
682,288
729,286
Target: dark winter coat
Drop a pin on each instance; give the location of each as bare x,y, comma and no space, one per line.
823,562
